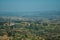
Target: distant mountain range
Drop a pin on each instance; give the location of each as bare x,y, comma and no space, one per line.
37,13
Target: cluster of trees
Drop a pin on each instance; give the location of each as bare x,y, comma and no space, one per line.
29,31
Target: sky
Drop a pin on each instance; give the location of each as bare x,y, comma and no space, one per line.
29,5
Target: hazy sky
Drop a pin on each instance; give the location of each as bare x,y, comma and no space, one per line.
29,5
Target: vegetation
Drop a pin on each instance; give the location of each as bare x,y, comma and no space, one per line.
29,30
